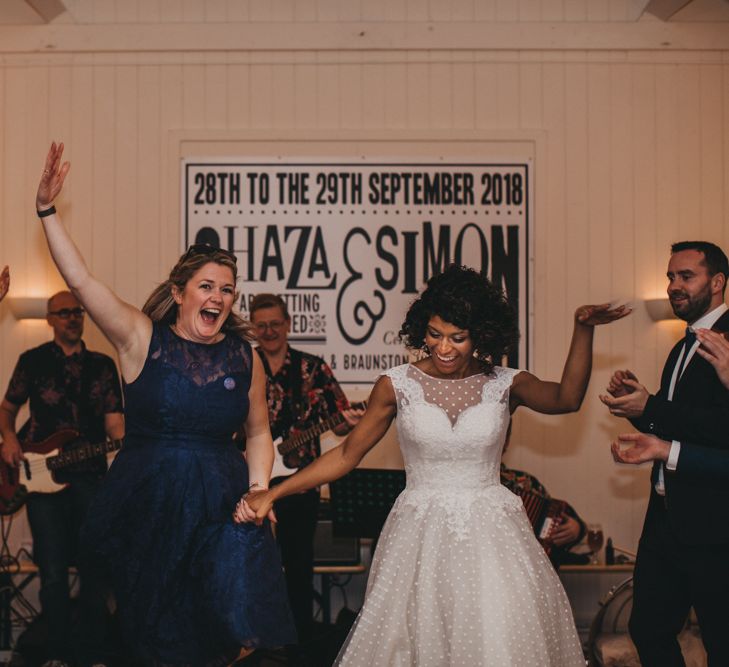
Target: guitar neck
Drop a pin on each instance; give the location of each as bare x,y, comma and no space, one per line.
312,432
82,453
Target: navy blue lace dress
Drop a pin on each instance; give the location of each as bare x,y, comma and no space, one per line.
192,587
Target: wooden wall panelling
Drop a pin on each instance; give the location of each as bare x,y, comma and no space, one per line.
725,126
418,10
623,489
240,10
126,190
650,261
462,93
238,98
328,94
418,87
150,267
172,82
305,105
215,95
440,96
350,86
216,11
486,93
689,142
262,92
373,95
712,156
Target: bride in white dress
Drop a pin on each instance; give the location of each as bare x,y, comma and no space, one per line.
458,577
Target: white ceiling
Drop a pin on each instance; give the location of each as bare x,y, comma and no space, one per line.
37,12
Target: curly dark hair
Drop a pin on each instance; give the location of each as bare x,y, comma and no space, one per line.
469,300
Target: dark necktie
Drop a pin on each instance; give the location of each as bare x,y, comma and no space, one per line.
688,343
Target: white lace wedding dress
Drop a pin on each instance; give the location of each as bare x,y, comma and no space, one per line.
458,578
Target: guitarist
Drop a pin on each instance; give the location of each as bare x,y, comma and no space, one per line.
301,391
67,386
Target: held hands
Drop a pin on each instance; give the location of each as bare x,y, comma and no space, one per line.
4,282
591,316
54,174
627,397
645,448
715,349
618,386
254,507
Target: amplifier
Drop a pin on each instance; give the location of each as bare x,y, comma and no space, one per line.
330,550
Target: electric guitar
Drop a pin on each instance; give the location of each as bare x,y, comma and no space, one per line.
36,474
283,447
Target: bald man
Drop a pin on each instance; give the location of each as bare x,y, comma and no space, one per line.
67,386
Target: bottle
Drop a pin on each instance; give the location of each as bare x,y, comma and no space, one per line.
609,552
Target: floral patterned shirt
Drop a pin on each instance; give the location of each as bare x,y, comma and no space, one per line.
291,412
66,391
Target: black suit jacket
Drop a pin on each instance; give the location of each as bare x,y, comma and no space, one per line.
704,464
698,509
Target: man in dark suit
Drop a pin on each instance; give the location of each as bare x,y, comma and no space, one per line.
706,464
684,548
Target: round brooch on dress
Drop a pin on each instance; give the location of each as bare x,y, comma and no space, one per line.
229,383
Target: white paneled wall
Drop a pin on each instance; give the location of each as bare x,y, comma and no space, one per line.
633,153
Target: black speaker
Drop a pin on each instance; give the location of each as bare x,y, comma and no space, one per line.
330,550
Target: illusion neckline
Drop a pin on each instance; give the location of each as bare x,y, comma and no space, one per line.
432,377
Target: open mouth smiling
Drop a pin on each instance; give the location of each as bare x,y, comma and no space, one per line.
210,315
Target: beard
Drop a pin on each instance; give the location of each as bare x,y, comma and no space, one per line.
693,307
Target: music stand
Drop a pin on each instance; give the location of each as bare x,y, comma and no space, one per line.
361,501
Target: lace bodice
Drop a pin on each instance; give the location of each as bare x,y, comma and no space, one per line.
451,432
189,391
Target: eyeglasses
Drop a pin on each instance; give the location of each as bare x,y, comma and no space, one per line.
66,313
276,325
207,249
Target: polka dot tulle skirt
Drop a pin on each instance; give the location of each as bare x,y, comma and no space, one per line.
458,577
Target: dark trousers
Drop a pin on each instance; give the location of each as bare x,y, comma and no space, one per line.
670,578
297,516
55,521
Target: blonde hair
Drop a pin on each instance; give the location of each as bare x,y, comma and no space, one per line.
161,306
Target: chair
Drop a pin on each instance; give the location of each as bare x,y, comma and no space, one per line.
609,645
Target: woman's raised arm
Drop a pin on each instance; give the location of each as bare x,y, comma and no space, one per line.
567,394
125,326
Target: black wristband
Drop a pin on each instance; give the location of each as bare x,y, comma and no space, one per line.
46,212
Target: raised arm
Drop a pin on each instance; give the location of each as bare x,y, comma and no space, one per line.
337,462
567,394
125,326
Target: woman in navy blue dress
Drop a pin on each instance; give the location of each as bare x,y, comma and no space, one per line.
193,587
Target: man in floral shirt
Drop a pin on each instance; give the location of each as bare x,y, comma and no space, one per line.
302,391
68,387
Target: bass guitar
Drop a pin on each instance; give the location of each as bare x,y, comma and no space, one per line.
36,473
281,447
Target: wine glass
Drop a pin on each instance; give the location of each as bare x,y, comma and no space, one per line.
595,539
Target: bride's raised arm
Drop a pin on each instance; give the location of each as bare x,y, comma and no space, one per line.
567,394
125,326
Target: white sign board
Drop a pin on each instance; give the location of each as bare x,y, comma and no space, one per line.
349,243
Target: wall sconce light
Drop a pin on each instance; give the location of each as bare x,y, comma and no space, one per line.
659,309
28,307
